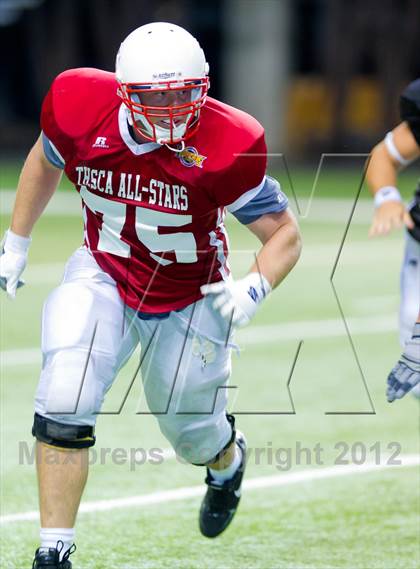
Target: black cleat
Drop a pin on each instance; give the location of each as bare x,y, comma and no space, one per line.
221,500
49,558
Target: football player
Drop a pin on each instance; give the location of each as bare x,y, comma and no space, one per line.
399,148
157,164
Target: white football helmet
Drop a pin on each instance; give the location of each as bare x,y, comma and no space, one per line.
165,65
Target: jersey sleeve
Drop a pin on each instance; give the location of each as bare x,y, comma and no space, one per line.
74,105
245,177
410,108
270,199
54,137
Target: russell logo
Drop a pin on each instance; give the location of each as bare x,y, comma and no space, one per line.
190,157
100,142
253,293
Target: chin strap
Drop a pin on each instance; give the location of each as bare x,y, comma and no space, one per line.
160,141
176,149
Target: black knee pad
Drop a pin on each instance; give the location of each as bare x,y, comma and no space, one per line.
221,452
62,435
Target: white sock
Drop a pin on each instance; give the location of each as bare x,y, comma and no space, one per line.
221,476
50,536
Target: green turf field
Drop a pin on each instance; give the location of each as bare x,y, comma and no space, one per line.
353,518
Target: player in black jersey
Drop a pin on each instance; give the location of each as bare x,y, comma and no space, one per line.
399,148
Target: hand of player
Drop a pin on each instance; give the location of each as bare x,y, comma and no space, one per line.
237,301
13,258
390,215
406,374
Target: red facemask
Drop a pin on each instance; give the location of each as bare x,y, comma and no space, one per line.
176,104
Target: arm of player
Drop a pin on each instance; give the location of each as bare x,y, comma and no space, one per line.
279,233
37,183
238,300
394,152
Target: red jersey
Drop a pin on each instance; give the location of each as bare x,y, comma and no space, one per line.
154,218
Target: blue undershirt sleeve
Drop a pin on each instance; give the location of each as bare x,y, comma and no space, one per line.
270,199
51,153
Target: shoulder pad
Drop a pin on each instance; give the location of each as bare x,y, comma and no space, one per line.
78,98
240,162
240,130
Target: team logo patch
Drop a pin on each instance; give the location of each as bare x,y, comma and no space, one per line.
190,157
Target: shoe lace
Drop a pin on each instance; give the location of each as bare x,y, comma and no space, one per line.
59,548
67,554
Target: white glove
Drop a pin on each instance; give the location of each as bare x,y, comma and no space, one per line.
237,301
14,254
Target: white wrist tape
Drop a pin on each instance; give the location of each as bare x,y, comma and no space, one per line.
393,150
260,284
16,243
386,194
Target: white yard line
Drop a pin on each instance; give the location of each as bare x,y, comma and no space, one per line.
325,210
316,329
196,491
44,273
62,203
321,256
268,334
26,356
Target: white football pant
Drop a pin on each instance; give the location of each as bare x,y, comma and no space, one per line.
87,336
410,288
410,293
